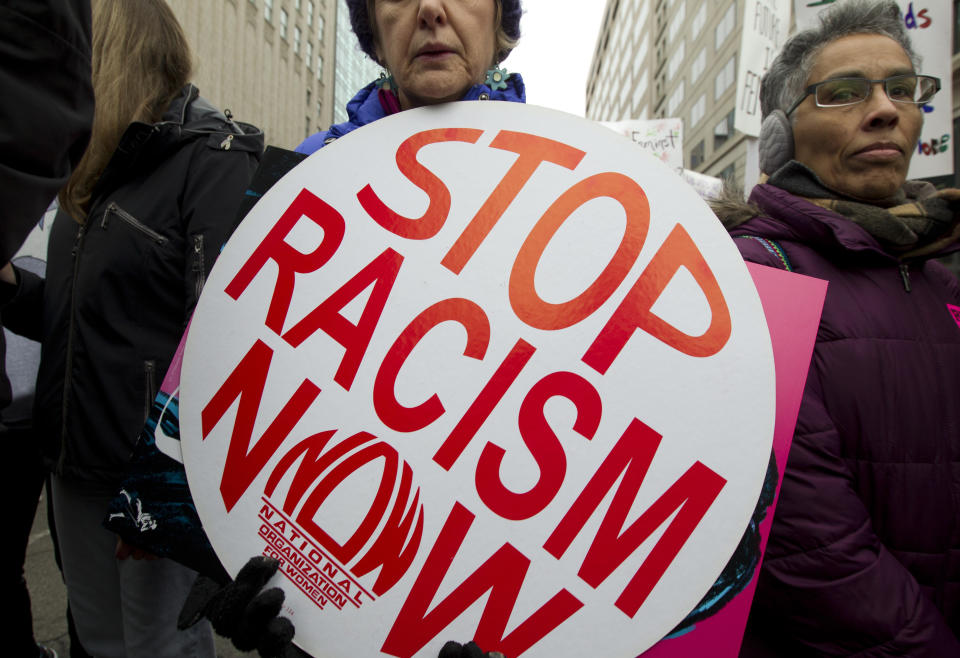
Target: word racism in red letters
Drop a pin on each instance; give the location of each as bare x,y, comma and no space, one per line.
313,559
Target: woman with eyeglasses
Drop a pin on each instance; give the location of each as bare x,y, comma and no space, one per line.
864,555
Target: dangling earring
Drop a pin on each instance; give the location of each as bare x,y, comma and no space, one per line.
387,91
386,81
497,78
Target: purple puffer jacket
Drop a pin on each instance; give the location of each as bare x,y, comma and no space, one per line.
864,556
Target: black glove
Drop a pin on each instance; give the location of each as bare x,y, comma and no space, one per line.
468,650
247,614
242,612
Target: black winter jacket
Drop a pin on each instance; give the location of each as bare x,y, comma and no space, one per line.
46,108
120,288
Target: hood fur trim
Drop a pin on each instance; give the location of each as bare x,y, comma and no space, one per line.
731,208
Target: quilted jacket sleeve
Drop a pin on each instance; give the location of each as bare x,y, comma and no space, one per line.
827,580
828,585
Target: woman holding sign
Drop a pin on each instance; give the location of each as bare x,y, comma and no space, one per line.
434,51
142,219
863,553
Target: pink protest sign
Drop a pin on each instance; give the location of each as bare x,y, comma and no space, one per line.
792,304
478,371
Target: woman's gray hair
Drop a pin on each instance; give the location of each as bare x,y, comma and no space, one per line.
786,78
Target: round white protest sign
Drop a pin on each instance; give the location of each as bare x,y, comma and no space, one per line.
479,371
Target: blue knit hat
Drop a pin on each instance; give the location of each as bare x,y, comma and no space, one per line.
510,11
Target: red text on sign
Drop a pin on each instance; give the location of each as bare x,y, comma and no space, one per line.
289,261
388,537
692,495
502,575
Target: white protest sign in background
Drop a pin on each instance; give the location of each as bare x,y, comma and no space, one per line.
661,138
708,187
766,24
479,371
929,24
805,12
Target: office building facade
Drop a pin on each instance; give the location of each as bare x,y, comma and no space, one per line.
270,62
673,58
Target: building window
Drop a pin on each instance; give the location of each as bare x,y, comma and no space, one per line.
675,99
698,65
723,131
268,10
696,155
676,22
296,40
616,40
725,26
319,109
699,20
319,67
296,5
698,110
283,24
320,28
308,97
640,59
309,13
956,27
308,58
676,59
308,128
639,94
728,173
617,67
642,13
724,78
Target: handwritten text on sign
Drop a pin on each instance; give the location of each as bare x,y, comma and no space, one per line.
479,371
765,26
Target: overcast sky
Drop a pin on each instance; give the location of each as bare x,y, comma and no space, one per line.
555,51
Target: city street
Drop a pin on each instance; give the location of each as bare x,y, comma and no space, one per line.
49,597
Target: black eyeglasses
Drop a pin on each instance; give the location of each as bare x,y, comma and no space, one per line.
837,92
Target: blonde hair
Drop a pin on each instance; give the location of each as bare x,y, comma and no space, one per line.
141,60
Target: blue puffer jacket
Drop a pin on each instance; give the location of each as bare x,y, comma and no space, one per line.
366,108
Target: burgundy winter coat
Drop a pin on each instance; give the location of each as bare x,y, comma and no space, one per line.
864,555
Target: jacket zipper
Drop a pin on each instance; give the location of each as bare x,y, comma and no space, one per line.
71,326
905,275
149,387
132,221
200,276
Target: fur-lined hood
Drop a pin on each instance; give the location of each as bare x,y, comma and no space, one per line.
732,209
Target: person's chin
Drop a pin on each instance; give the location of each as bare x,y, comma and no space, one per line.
876,188
871,180
438,89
